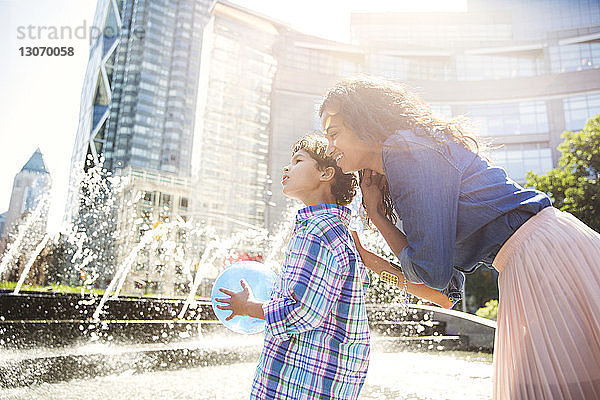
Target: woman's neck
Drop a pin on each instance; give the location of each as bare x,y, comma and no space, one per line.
376,159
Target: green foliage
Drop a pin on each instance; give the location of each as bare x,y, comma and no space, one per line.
480,286
489,311
574,186
8,285
60,288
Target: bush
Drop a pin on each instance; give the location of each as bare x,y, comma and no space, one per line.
489,311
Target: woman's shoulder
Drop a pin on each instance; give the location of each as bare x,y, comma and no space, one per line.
406,149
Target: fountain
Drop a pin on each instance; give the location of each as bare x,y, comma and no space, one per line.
61,345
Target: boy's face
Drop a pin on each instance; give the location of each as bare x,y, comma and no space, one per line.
302,177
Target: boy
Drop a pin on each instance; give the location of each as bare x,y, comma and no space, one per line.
317,336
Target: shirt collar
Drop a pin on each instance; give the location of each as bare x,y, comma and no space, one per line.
343,213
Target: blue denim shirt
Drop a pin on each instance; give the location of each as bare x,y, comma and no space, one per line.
457,210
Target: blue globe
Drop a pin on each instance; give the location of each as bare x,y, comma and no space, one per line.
261,281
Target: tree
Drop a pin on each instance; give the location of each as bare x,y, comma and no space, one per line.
575,185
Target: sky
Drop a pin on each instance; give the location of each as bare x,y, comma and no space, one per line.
39,106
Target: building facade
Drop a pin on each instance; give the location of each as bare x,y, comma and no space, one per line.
231,139
154,199
523,72
260,83
137,108
31,187
25,221
139,94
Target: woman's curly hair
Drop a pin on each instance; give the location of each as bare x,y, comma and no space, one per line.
344,185
376,109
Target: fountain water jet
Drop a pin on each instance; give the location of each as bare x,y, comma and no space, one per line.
23,229
198,350
121,272
35,254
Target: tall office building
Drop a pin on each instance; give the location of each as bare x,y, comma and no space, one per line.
232,136
523,71
30,186
137,109
29,196
260,83
139,94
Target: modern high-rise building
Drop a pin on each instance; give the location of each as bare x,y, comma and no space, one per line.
523,71
137,108
30,187
139,94
260,83
30,196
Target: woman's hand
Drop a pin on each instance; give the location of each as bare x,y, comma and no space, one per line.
238,302
371,186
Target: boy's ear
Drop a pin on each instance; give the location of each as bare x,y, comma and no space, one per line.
327,174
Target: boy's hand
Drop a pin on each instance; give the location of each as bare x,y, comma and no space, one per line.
354,235
237,302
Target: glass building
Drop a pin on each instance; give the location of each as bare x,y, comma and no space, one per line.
139,95
27,213
231,140
138,104
523,72
521,75
260,82
31,188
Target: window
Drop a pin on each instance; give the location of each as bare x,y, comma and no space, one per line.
180,236
146,215
527,117
165,200
183,203
148,198
576,57
578,109
519,159
178,270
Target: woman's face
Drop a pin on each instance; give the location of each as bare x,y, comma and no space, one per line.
345,146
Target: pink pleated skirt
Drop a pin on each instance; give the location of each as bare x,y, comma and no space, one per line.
547,343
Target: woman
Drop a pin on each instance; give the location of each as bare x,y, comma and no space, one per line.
459,212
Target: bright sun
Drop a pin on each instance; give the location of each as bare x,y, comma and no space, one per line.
331,19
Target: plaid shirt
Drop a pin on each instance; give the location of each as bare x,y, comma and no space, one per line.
317,336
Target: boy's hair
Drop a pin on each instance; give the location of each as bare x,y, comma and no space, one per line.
344,185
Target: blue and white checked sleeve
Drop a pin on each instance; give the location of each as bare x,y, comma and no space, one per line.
311,284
